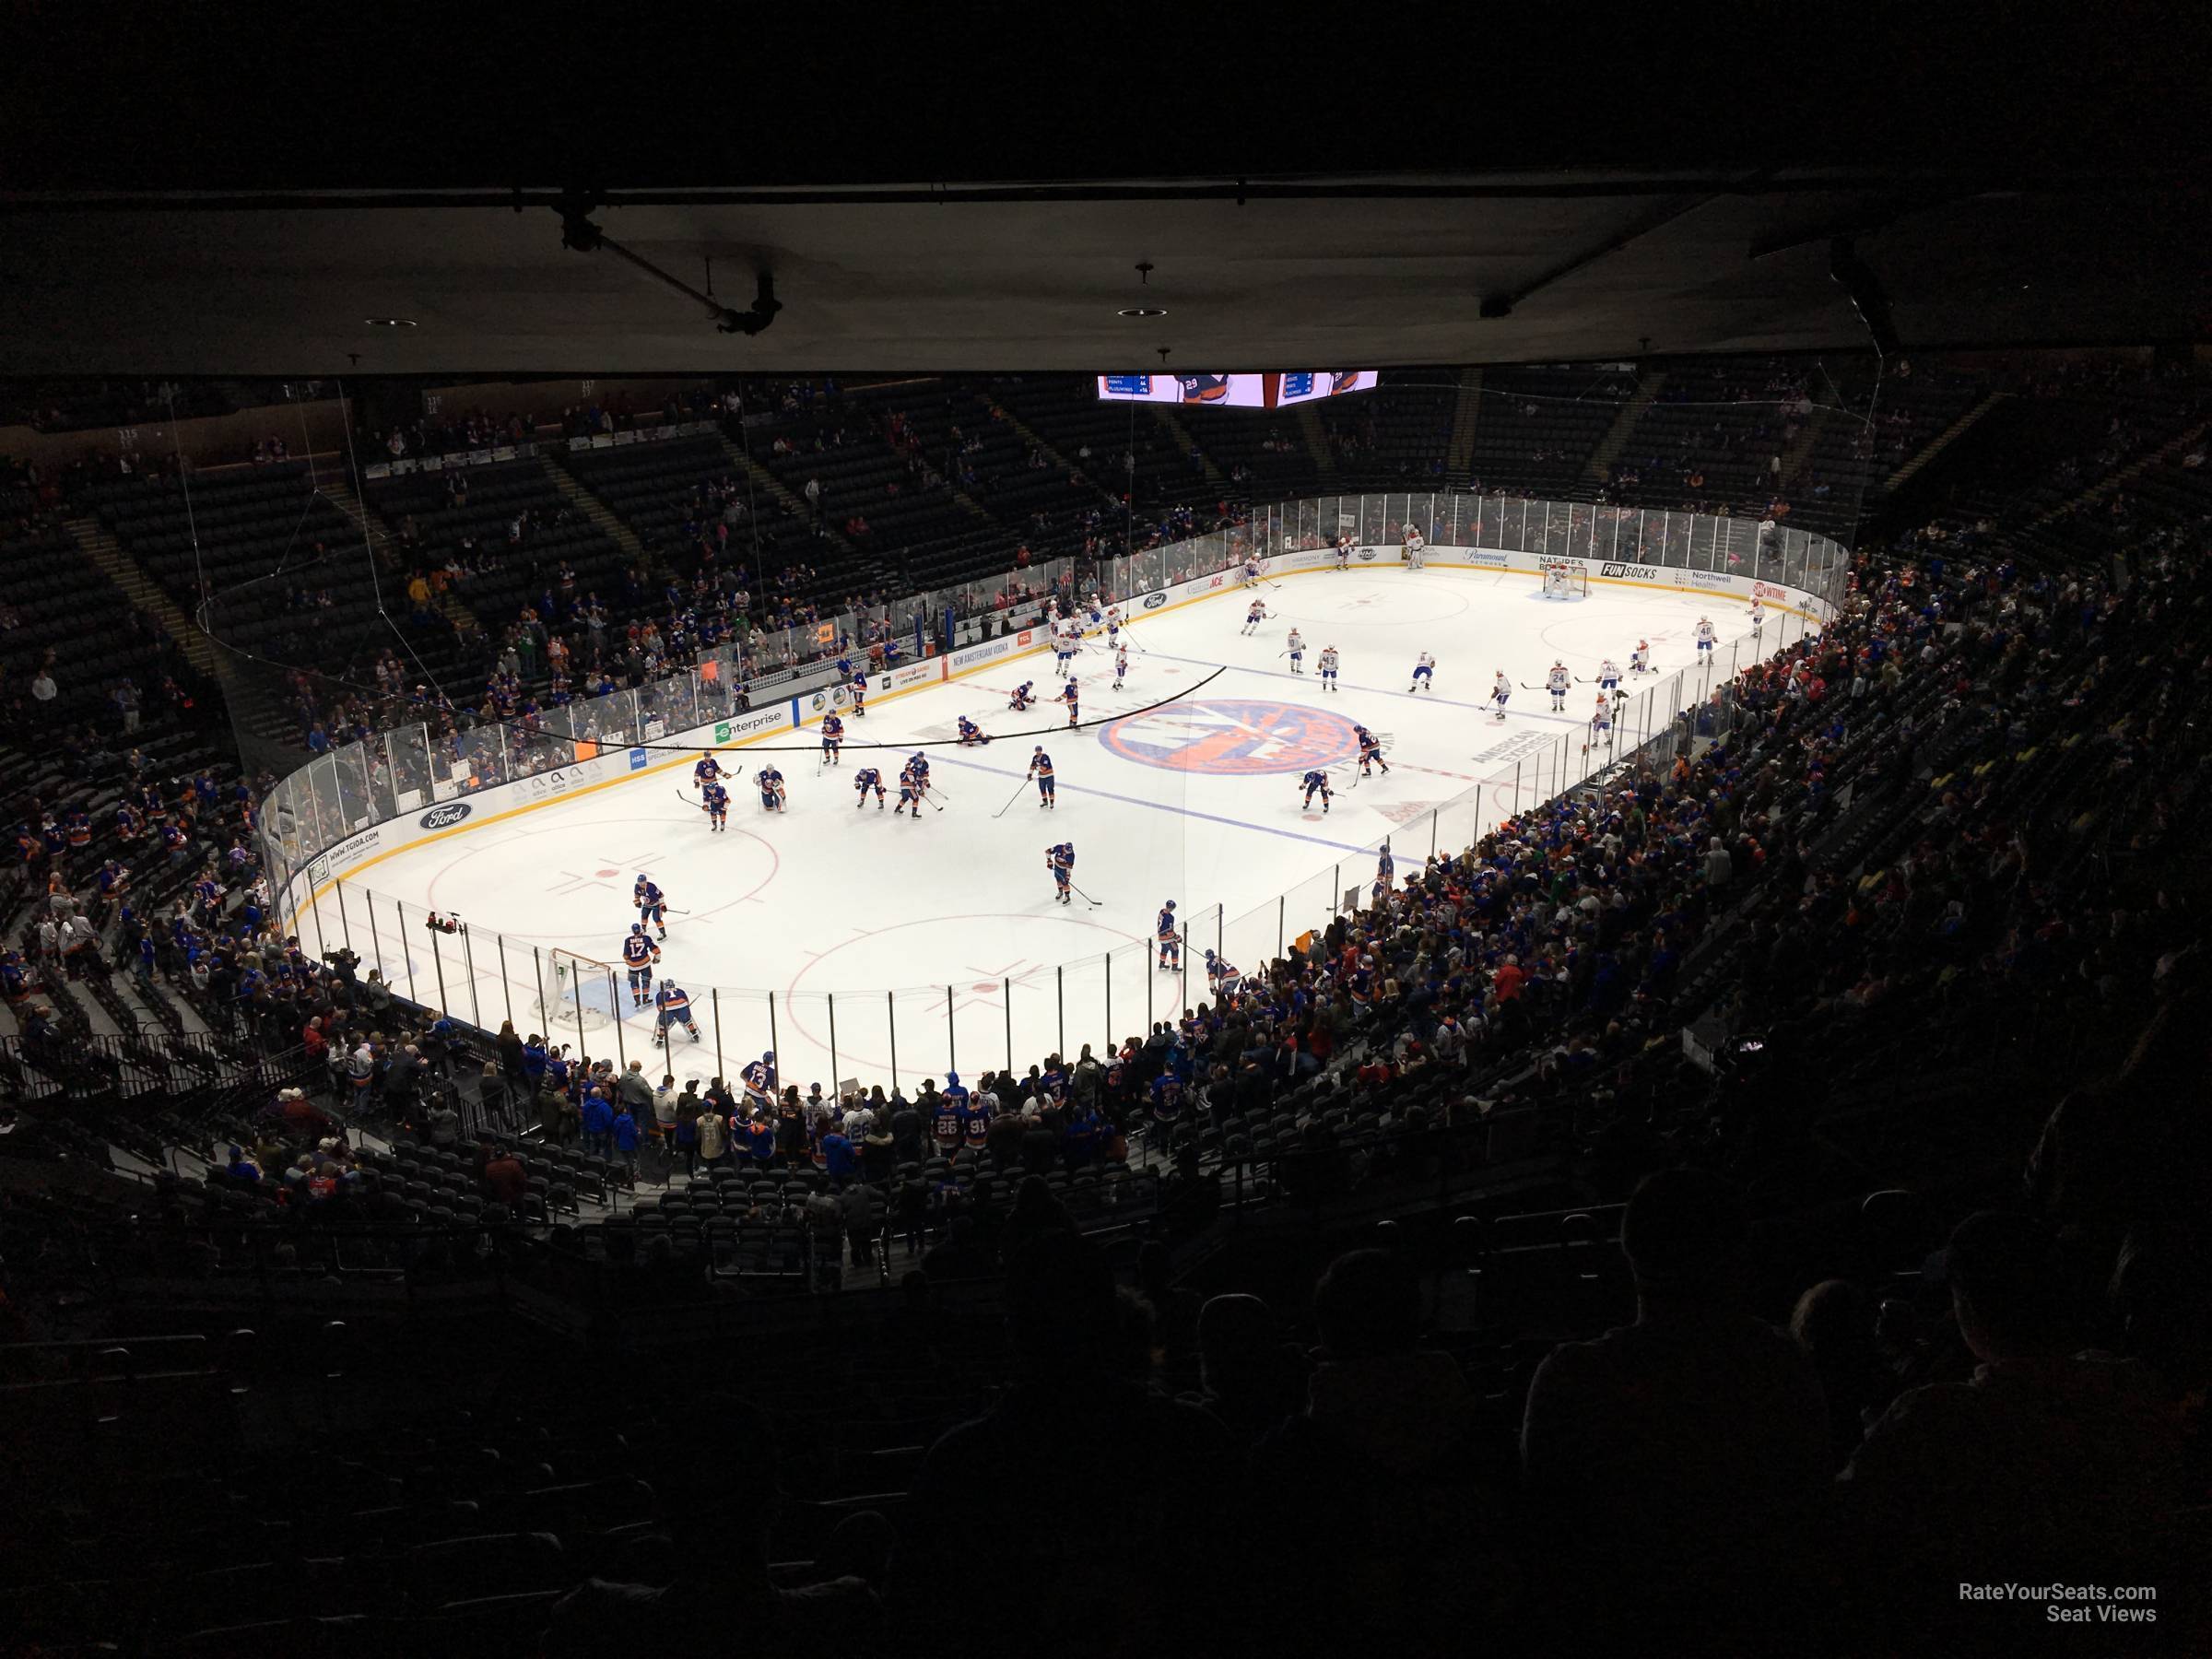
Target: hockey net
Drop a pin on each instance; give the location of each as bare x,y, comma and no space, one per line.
577,991
1566,581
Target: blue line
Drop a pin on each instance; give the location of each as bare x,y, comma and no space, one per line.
1108,794
1419,697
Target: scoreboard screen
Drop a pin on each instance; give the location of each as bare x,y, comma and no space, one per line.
1235,391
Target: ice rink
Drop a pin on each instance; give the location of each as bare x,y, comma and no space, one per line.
939,940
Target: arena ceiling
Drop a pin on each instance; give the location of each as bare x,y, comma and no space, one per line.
1656,198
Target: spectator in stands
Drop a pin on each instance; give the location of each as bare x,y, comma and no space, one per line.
1675,1464
1381,1458
1106,1503
1834,1325
713,1129
622,1137
598,1118
2041,1457
444,1123
504,1178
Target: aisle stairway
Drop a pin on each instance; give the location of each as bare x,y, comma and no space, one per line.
1942,440
120,568
1459,454
1600,467
386,546
597,510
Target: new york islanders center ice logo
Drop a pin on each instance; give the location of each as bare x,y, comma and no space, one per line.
1231,738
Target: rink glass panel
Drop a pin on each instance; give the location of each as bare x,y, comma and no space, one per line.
482,978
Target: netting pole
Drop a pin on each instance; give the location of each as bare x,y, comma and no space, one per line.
537,972
1060,996
407,956
613,994
580,1010
714,996
774,1045
438,963
1106,961
891,1006
1282,901
506,985
832,1001
1432,825
952,1053
1006,990
468,960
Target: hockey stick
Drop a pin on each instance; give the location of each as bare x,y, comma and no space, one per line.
1018,790
1094,903
688,800
925,796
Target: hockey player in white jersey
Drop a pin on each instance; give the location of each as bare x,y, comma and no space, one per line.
1556,682
1705,635
1502,692
1121,664
1758,616
1601,721
1254,617
1608,675
1422,672
1328,668
1640,659
1295,652
1415,548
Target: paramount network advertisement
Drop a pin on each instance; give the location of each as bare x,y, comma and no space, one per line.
1236,391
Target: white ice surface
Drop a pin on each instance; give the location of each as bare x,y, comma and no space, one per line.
827,902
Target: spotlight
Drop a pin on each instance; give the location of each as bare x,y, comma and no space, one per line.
389,322
1141,311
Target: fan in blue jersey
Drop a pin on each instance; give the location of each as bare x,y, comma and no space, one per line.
674,1004
716,800
1024,695
975,1117
1167,1105
833,739
639,954
1040,769
653,904
1060,860
1315,780
865,779
1169,937
945,1126
972,734
771,788
910,792
759,1079
1221,977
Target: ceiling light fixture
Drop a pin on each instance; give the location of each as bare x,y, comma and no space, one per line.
389,322
1141,311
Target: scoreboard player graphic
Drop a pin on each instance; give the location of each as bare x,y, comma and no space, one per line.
1203,388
